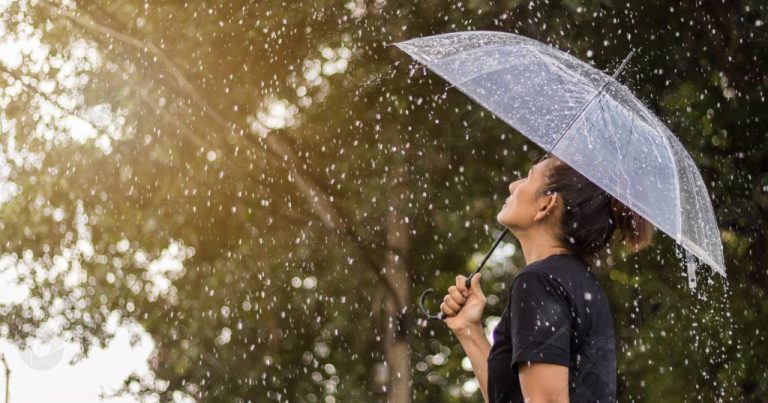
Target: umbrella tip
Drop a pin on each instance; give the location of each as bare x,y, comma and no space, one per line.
623,64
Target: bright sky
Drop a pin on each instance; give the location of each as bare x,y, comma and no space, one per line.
43,374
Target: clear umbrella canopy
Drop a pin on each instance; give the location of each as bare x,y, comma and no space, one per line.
587,119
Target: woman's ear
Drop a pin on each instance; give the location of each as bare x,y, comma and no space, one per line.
547,208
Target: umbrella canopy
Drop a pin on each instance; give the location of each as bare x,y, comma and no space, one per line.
587,119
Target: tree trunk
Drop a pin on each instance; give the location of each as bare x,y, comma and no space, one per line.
396,349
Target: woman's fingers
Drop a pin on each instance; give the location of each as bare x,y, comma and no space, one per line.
461,284
451,303
456,295
447,311
455,299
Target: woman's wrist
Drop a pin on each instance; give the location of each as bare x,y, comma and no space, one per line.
469,332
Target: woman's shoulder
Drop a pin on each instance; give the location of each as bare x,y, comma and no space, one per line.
565,274
537,281
564,268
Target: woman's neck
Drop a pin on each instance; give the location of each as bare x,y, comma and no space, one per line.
537,248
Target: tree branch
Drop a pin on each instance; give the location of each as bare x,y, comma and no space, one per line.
315,198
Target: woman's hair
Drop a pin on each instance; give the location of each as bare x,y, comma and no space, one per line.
591,215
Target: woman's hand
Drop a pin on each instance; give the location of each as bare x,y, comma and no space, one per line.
463,307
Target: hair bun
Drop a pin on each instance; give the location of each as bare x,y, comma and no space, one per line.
635,231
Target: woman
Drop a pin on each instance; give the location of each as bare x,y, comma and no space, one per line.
555,341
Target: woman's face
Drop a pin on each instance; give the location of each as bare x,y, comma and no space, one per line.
522,205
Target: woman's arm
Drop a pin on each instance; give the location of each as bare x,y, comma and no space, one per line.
543,382
477,348
464,309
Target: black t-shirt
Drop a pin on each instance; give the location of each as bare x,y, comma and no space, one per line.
557,313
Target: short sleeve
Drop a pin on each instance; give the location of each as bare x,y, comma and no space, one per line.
539,320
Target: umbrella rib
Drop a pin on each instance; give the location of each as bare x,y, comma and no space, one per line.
620,164
581,112
679,219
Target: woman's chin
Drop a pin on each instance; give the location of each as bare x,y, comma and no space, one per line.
500,218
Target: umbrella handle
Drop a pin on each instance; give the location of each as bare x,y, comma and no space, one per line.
439,316
467,283
428,291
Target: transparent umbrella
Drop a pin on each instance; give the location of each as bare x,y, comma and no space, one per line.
587,119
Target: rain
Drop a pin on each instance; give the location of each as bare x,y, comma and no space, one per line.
243,201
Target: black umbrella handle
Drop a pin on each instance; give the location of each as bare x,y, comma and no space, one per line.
467,283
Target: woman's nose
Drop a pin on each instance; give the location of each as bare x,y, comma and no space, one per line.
513,186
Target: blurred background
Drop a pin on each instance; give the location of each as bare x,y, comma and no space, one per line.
241,201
